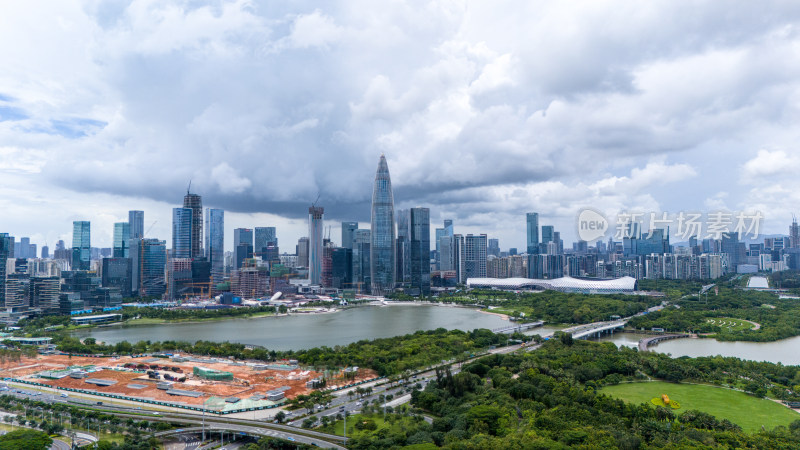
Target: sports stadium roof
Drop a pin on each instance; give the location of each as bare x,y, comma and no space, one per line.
564,284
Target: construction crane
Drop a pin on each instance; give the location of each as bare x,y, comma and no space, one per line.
149,228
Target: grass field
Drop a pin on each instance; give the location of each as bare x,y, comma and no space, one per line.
747,411
730,324
338,427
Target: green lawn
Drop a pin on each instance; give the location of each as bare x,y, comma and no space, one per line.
742,409
338,427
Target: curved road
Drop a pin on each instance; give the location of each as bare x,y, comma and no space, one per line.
254,431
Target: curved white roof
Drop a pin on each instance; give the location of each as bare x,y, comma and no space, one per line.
564,284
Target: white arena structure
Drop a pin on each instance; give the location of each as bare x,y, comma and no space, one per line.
624,285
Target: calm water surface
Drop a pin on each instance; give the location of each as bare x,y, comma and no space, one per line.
786,351
301,331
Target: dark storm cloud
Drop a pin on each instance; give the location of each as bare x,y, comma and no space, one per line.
478,106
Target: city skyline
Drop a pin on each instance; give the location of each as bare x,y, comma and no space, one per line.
95,121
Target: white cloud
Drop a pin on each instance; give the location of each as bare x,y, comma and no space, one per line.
228,180
503,106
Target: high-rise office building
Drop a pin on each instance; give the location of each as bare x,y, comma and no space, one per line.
348,234
182,222
117,274
446,253
494,247
265,238
81,245
459,255
24,249
382,247
122,236
242,246
547,233
438,234
341,268
302,252
215,243
403,246
153,257
315,224
361,264
794,234
421,250
532,220
195,203
45,252
475,256
6,250
136,228
136,224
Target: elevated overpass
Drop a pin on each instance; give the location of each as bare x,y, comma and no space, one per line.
214,428
518,327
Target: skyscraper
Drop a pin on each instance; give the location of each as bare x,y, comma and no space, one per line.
215,242
81,245
122,236
302,252
382,247
153,257
264,238
794,234
195,203
494,247
136,224
242,246
315,215
446,253
475,256
182,220
532,220
403,246
6,249
459,258
45,252
136,228
421,250
361,264
348,234
547,233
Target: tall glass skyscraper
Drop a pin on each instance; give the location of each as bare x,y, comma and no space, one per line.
136,224
122,236
532,219
348,234
195,203
153,254
361,265
6,250
382,248
421,250
315,215
136,227
81,245
182,232
403,246
264,237
215,242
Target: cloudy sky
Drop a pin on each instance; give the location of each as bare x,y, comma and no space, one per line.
485,111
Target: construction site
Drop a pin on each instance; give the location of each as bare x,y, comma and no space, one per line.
183,381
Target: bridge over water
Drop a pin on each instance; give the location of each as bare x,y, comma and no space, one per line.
518,327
